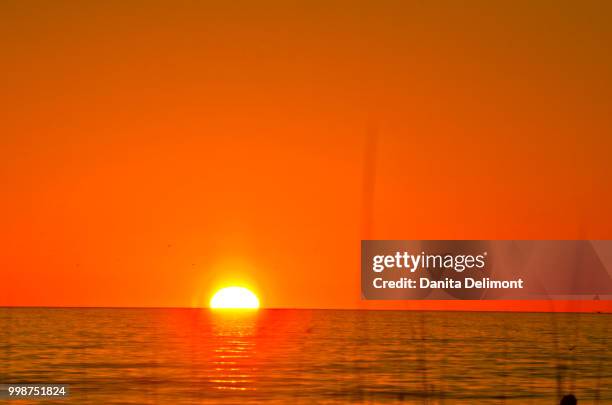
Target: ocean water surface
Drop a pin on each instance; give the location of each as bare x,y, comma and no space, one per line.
195,356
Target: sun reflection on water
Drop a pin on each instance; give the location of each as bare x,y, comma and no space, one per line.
234,350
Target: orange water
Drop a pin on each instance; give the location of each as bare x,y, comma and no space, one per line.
188,356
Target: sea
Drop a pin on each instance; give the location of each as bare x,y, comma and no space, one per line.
201,356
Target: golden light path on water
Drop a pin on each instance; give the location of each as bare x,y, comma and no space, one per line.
233,357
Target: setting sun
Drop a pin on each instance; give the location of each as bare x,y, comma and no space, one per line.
234,297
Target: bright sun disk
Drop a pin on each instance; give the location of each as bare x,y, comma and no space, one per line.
234,297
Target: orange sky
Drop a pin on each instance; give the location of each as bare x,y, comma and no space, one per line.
153,151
